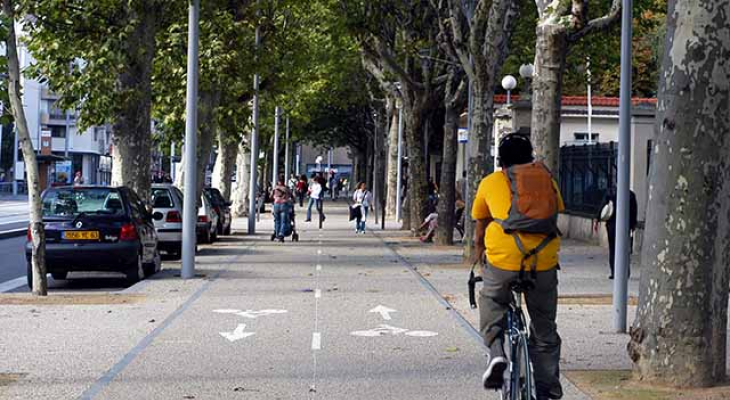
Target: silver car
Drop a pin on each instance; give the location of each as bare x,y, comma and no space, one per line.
207,227
167,204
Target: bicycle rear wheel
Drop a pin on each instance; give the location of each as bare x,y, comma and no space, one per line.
527,381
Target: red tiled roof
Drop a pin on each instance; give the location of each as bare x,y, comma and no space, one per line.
583,100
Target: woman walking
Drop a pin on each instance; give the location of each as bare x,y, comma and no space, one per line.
362,198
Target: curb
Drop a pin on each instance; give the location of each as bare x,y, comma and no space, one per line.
13,233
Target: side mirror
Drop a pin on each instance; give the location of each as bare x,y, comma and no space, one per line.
157,216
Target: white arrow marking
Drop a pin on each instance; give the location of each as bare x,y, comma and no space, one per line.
317,294
255,314
319,251
319,267
421,334
383,311
381,330
237,334
227,311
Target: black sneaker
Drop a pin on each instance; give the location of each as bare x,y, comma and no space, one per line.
493,377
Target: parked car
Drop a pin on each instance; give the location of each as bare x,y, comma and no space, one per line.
93,228
167,211
207,227
223,208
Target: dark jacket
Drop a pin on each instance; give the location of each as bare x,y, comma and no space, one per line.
633,210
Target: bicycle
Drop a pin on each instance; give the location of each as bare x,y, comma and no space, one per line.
519,382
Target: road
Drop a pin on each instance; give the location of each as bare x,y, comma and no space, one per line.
13,214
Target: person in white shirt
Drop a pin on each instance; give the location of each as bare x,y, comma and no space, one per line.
362,198
315,198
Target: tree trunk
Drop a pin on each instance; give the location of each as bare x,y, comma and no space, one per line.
551,50
454,101
481,138
132,139
243,170
224,165
206,132
680,333
392,164
417,186
37,229
370,157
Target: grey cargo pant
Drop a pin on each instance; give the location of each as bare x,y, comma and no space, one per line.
542,304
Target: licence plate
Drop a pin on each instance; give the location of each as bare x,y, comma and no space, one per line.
81,235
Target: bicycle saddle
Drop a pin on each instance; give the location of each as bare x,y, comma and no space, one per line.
521,285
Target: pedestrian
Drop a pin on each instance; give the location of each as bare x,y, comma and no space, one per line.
78,179
362,199
282,198
607,214
430,222
501,235
315,197
292,184
333,186
301,189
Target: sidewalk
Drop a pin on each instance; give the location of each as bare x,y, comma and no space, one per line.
334,316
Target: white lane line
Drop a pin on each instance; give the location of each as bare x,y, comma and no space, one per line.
319,267
316,341
317,294
17,221
13,284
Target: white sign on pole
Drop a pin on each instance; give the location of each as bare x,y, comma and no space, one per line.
463,135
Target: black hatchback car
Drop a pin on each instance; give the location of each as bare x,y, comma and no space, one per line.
93,228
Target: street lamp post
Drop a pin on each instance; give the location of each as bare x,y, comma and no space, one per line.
254,143
620,283
190,209
590,101
287,160
526,72
275,156
509,83
399,175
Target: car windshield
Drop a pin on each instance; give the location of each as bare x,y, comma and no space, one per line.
71,202
162,198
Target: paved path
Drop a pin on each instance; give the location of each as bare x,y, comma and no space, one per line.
336,316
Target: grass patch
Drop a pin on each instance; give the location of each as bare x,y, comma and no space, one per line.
592,300
619,385
25,299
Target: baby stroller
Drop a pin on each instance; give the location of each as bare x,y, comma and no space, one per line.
290,229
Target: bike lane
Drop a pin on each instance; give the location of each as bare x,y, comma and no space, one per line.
334,316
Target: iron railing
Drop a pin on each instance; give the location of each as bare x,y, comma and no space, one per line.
586,174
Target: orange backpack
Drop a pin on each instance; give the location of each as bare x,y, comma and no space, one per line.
534,206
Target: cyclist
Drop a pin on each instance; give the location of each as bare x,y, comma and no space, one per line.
504,260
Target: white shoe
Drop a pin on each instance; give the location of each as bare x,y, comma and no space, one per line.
493,377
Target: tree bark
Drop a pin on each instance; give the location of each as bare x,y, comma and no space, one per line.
679,336
37,229
417,185
455,100
243,169
392,164
206,132
551,49
131,138
224,165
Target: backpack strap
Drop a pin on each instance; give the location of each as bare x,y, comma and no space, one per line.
531,254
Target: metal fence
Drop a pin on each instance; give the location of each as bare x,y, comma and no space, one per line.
586,173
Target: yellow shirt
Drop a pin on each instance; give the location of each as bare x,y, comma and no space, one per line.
493,200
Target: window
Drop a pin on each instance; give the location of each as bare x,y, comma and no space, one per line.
583,136
73,201
58,131
162,198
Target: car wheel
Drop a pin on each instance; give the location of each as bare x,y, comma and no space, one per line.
155,266
59,276
135,273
